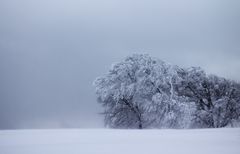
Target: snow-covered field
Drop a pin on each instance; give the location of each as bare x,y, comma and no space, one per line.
107,141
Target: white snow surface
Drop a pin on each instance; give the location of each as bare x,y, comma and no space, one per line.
113,141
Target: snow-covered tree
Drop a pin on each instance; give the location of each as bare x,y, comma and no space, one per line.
216,99
145,92
139,93
226,101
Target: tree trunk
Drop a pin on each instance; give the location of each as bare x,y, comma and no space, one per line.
140,126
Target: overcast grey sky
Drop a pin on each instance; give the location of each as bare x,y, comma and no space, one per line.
52,50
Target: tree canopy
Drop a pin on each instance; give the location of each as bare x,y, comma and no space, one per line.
145,92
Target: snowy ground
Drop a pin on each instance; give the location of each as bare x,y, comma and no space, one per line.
106,141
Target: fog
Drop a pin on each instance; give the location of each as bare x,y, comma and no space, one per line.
52,50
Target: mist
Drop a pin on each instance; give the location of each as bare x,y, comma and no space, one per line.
52,50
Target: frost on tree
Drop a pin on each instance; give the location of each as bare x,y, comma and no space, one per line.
145,92
139,93
217,100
